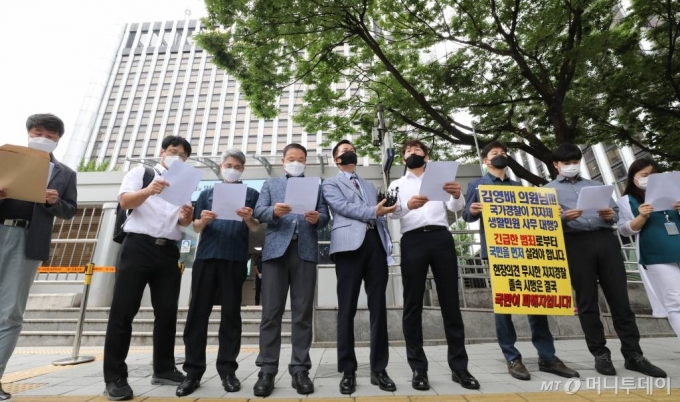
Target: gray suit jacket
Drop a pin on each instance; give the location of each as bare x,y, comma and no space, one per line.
280,230
351,211
40,230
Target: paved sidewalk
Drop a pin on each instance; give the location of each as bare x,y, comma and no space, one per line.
30,376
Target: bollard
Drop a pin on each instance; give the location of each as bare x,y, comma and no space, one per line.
75,359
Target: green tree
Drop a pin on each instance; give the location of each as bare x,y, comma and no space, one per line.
523,69
91,166
641,82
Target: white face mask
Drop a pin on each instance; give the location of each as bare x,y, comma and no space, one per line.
169,160
42,144
294,168
231,175
642,182
570,170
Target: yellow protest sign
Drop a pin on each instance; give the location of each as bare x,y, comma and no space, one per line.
525,245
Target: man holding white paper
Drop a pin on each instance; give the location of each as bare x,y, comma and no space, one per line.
594,256
289,258
148,256
360,247
221,265
427,243
26,231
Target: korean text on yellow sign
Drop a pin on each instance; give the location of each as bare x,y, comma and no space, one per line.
525,245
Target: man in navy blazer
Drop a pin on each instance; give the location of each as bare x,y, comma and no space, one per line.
26,231
360,248
289,258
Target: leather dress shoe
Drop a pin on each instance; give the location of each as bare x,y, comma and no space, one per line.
640,364
4,396
557,367
348,384
419,381
518,370
264,385
603,364
465,379
302,383
231,383
188,386
383,381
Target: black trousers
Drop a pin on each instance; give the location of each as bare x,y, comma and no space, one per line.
142,262
258,289
368,264
435,249
596,257
206,278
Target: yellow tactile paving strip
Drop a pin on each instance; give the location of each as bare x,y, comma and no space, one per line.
521,397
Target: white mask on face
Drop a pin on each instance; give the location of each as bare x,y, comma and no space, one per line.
294,168
42,144
169,160
642,182
231,175
570,170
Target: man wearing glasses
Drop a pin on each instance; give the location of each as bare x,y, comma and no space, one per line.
149,255
220,268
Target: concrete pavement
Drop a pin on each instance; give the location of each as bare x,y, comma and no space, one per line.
30,376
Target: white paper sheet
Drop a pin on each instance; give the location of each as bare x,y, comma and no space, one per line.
594,198
436,174
183,180
227,199
663,190
302,194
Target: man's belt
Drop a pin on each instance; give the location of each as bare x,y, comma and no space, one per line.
371,225
428,228
158,241
20,223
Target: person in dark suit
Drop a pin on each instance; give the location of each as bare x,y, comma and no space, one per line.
360,247
26,232
289,258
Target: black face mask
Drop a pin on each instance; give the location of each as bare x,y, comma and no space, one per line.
415,161
499,162
348,158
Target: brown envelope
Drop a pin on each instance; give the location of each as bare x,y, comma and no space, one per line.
23,172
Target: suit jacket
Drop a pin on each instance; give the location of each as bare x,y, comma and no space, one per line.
40,230
351,212
280,230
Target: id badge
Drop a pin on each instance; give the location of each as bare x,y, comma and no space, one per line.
671,228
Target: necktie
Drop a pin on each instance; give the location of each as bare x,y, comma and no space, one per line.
355,181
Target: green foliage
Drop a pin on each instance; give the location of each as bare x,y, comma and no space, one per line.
91,166
641,81
531,73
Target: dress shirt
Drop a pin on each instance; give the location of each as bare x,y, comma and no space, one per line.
155,217
221,238
567,195
432,213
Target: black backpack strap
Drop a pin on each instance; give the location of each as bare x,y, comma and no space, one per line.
148,176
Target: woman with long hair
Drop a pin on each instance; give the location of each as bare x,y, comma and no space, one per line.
656,241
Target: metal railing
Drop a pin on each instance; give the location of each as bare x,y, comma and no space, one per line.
473,271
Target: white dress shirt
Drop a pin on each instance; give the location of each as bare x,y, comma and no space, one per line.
155,217
432,213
